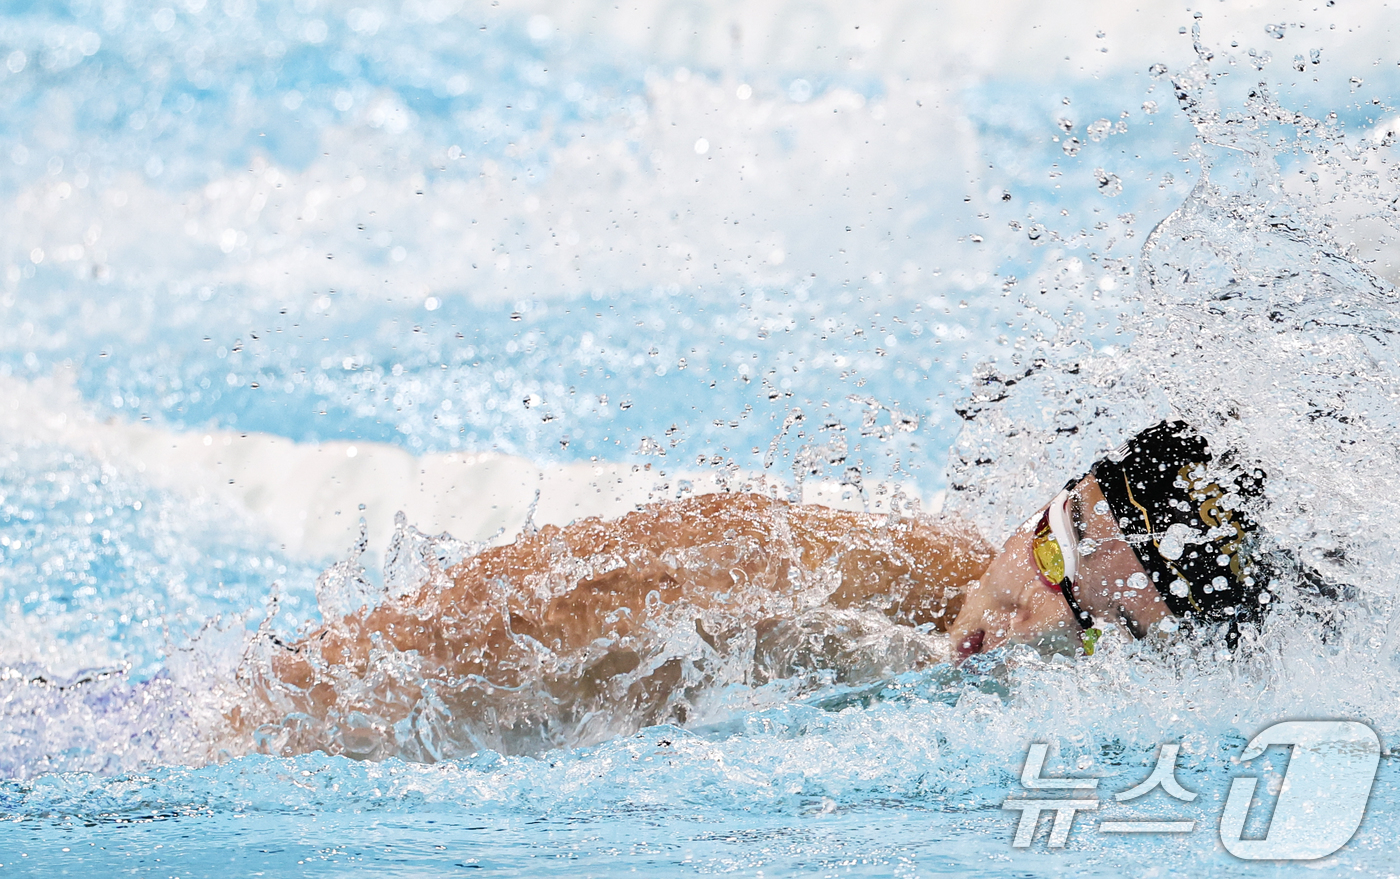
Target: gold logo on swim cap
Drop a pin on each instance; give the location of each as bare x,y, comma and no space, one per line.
1208,496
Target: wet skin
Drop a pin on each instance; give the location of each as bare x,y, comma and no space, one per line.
567,617
571,617
1011,604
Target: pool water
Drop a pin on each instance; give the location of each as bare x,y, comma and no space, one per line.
716,243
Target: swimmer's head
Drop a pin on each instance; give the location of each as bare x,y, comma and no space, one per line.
1147,534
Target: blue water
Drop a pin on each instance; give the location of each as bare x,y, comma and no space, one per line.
455,227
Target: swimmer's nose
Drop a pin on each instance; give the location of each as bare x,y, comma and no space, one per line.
971,643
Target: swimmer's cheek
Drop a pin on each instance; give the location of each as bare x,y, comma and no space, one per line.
1042,625
1063,642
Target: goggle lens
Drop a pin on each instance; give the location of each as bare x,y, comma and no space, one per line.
1049,558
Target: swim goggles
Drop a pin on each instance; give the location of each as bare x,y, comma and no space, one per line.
1055,554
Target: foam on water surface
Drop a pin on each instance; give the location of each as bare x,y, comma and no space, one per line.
492,251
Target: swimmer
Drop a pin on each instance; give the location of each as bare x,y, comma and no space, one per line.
1152,537
566,623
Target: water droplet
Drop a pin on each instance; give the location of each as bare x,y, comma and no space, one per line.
540,28
1109,183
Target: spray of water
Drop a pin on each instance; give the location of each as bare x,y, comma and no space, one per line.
1248,318
1253,323
680,614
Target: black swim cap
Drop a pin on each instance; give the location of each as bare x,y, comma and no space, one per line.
1184,521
